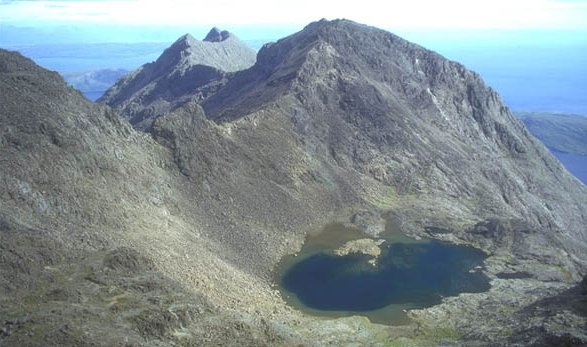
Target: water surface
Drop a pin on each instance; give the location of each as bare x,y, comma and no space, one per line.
409,274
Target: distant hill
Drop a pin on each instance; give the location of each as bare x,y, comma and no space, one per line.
560,132
97,81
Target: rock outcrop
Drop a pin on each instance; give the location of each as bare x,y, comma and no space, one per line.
368,247
216,35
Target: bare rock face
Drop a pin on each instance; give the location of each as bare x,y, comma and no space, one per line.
188,69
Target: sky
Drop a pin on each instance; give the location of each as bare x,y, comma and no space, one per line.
398,15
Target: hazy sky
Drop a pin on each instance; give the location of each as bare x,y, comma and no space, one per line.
404,14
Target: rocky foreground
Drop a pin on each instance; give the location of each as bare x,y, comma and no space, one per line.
169,236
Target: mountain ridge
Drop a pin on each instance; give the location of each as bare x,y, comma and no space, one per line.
93,212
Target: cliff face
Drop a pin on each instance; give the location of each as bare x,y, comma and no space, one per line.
337,119
188,69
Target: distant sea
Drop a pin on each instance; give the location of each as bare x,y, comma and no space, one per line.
73,58
535,79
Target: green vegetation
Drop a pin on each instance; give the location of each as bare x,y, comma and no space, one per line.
385,199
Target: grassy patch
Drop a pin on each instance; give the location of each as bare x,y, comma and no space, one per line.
428,337
442,333
384,199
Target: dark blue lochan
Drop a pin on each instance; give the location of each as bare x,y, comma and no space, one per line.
415,274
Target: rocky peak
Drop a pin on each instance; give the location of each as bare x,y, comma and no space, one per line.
215,51
355,46
184,42
186,39
215,35
297,45
188,69
334,48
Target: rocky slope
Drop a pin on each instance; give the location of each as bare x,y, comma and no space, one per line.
103,222
188,69
98,243
393,125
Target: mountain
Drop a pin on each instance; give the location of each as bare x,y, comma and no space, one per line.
171,236
560,132
188,69
364,101
366,117
217,35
